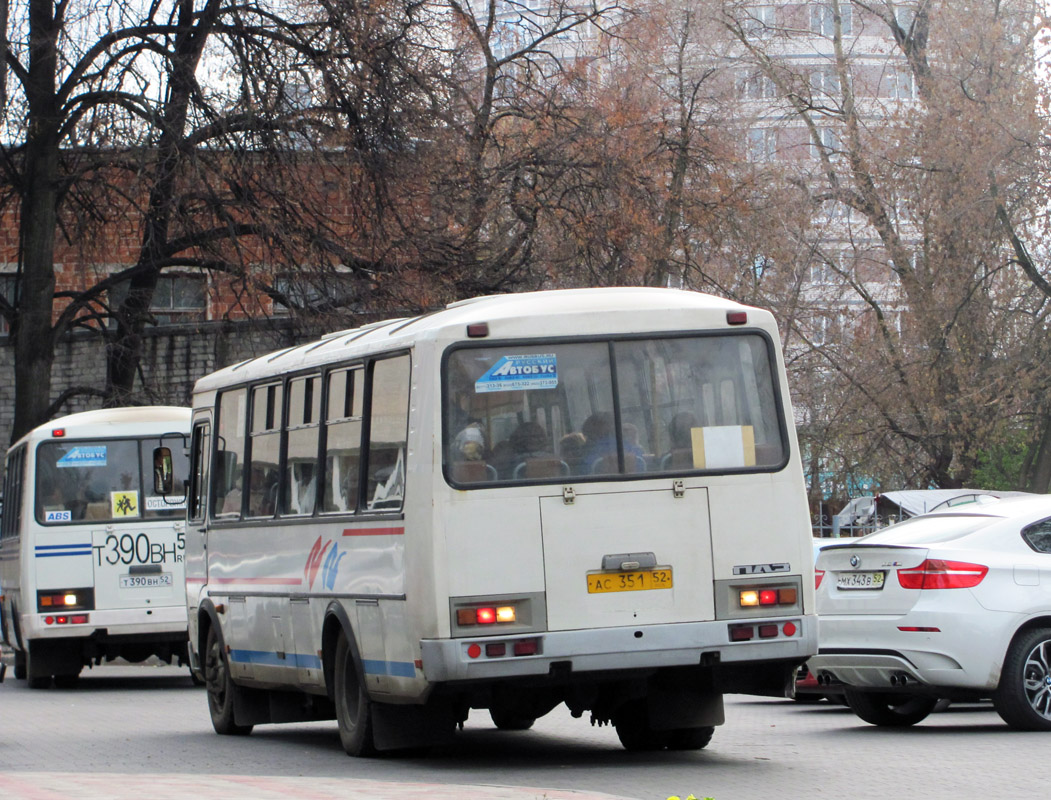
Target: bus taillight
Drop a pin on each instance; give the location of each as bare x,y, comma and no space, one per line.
784,596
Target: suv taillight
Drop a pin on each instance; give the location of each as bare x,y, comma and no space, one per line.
934,573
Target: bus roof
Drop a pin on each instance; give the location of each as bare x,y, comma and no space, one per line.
78,424
565,312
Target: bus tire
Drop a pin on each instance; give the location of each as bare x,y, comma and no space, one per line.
509,721
353,707
222,691
20,665
635,732
67,680
691,738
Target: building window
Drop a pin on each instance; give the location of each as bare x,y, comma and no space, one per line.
905,16
762,144
177,298
824,81
758,20
900,84
823,19
302,291
756,86
828,142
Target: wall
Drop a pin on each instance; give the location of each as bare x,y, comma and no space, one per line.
174,357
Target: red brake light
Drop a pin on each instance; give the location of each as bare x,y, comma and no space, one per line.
818,575
768,597
934,573
485,616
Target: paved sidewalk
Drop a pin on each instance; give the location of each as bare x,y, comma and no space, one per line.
107,786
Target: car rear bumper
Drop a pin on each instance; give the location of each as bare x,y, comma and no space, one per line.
935,649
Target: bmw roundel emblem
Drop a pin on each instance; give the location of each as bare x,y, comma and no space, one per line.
854,560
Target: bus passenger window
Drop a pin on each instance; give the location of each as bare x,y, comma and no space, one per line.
343,422
229,455
304,413
263,477
198,471
388,434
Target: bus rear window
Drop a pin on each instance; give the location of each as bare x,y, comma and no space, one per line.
92,480
542,413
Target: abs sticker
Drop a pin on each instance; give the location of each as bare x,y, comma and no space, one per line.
58,516
84,456
513,373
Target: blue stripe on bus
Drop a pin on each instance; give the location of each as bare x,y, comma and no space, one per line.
62,546
56,550
271,659
398,669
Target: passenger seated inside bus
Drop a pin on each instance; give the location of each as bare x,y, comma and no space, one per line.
600,452
680,434
533,455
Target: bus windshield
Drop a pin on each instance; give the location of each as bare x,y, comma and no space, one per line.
679,404
103,479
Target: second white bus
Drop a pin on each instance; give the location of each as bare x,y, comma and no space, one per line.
91,558
589,497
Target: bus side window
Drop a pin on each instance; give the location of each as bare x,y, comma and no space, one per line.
199,471
229,454
343,424
388,434
13,488
304,412
264,474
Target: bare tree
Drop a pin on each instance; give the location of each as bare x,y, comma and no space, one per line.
915,333
201,126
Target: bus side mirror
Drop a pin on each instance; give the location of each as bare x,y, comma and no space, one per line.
163,471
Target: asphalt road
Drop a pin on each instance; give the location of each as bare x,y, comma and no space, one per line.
151,725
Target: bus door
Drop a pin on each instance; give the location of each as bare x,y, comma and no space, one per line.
627,558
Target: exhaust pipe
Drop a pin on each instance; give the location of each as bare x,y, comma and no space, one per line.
899,679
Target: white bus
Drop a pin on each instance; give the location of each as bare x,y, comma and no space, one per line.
591,497
91,558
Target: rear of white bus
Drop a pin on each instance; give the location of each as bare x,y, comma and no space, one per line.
625,524
101,564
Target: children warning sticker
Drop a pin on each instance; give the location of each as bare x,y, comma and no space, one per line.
84,456
124,504
514,373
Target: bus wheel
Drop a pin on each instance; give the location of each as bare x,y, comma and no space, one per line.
353,708
509,721
221,688
67,681
691,738
20,665
634,730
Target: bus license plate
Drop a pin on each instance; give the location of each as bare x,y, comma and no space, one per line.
600,582
145,581
859,580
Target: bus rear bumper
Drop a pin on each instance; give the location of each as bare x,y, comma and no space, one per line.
161,620
617,649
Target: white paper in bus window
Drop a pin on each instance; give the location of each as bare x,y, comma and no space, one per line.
84,456
515,373
723,446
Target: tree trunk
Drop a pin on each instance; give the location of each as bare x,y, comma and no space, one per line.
33,332
125,352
